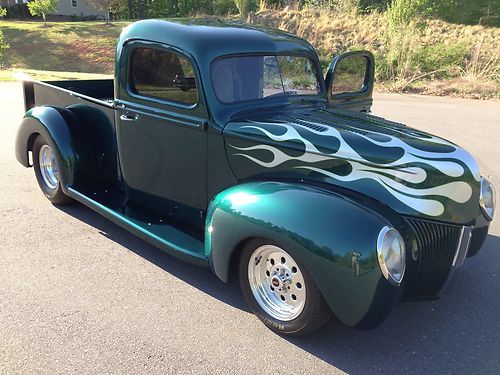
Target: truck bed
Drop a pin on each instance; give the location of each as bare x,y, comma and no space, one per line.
91,102
66,93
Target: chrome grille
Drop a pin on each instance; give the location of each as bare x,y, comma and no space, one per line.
436,246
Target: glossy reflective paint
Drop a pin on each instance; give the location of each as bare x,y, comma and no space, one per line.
319,228
413,172
49,123
161,142
204,41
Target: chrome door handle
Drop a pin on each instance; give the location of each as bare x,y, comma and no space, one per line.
129,117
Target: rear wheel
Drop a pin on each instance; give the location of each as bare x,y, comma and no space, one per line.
279,289
47,170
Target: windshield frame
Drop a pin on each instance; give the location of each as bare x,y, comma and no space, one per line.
287,98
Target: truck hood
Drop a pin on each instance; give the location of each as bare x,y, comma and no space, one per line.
413,172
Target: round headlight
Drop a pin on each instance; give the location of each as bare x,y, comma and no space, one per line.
391,255
487,198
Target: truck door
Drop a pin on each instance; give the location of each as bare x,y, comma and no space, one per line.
162,140
349,81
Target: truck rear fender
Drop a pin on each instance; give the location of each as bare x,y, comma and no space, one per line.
60,128
320,228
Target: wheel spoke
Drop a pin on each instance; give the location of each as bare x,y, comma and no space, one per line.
274,283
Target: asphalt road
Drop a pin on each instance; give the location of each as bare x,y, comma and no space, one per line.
78,294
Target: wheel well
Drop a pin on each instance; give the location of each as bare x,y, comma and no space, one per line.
29,148
235,258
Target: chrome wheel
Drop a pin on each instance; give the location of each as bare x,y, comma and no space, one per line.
276,282
48,166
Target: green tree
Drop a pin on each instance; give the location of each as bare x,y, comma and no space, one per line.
42,8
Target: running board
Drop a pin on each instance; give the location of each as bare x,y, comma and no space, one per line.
163,235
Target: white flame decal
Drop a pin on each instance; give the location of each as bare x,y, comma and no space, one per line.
457,191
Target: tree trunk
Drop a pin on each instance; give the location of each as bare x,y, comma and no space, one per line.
44,20
142,9
129,9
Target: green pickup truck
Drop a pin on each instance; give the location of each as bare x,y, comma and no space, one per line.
223,144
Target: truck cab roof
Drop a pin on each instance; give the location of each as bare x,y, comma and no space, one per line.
206,39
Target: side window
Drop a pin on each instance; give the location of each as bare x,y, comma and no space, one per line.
164,75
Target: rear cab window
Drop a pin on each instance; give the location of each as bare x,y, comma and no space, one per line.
163,75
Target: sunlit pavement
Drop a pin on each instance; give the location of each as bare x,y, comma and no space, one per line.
78,294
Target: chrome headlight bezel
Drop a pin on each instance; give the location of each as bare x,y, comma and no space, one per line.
386,250
486,203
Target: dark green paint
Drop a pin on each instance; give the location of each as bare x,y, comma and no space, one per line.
55,128
158,176
204,41
319,228
166,237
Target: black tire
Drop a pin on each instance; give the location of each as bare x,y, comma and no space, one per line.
315,312
53,194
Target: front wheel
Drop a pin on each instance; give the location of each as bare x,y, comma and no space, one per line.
47,171
279,290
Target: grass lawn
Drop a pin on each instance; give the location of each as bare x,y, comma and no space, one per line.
60,47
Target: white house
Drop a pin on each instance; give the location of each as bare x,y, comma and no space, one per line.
77,8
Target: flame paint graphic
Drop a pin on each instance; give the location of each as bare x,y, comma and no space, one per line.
392,176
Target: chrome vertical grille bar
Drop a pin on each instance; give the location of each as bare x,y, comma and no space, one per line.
440,248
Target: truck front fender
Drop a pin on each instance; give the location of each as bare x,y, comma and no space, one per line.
320,228
60,128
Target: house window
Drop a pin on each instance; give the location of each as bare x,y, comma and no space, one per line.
164,75
74,3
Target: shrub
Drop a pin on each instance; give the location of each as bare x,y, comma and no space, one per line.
224,7
480,64
404,28
440,57
245,6
18,11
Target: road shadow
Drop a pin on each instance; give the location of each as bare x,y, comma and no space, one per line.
199,277
459,333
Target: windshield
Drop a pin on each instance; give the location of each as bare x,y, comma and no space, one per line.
244,78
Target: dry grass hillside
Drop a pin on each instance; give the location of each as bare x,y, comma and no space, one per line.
465,59
440,58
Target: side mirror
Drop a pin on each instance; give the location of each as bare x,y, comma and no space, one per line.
349,80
